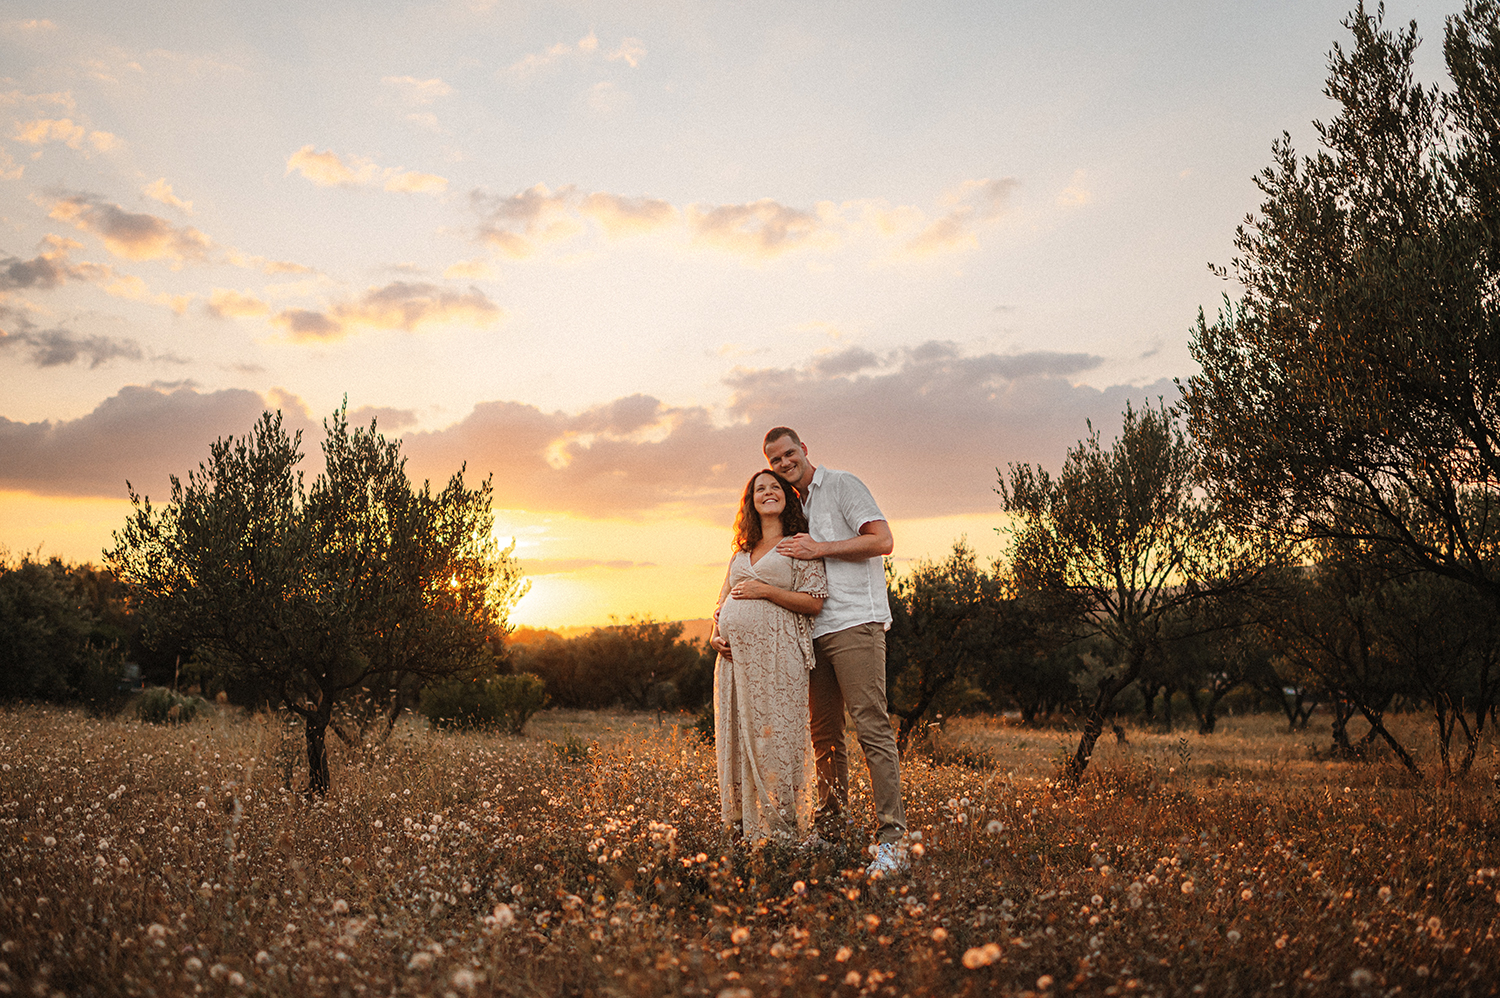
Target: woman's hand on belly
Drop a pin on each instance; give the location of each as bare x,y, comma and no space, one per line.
752,589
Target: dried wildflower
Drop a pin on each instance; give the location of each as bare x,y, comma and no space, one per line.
740,936
843,954
1044,982
420,960
981,956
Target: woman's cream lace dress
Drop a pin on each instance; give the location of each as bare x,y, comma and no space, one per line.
766,779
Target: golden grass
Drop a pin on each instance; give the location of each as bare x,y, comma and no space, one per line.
586,859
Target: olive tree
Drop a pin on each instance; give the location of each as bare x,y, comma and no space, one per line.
307,596
1352,392
1126,534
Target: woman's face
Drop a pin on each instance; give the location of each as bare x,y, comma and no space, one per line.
767,495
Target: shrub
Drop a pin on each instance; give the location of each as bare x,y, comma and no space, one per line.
703,724
159,705
503,702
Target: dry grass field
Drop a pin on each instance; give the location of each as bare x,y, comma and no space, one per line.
585,859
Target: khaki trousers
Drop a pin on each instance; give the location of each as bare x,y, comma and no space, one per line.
850,671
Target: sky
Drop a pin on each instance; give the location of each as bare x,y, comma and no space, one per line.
595,250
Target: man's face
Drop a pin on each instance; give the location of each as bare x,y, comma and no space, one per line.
789,460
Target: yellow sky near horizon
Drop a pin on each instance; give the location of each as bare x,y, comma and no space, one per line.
582,572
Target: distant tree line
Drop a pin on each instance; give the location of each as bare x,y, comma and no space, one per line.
641,664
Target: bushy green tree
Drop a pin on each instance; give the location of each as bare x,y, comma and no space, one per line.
1352,391
61,634
942,613
640,663
503,702
1128,538
308,596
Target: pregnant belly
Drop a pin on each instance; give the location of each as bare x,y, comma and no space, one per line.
740,618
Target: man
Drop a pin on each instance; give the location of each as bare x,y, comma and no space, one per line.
850,533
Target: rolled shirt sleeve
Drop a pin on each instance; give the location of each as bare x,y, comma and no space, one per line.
838,504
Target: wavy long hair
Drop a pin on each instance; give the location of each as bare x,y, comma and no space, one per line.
747,532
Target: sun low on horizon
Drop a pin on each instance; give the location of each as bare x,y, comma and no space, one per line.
591,252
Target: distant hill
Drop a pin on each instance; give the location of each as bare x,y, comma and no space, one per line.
697,629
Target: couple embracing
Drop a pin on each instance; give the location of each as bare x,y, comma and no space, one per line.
800,631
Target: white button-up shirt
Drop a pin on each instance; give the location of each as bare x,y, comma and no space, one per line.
837,505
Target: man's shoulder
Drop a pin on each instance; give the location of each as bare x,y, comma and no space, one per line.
833,476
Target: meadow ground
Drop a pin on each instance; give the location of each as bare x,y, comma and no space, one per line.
585,858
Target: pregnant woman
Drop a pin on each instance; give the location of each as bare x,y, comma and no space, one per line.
763,634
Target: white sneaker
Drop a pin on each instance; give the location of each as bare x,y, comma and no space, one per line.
890,859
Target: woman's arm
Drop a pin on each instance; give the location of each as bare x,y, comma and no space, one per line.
788,599
716,642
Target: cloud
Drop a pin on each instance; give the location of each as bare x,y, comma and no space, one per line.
60,347
519,225
9,168
470,270
515,226
532,63
263,265
389,420
974,202
162,191
328,169
850,361
140,434
1076,194
49,268
304,324
132,235
761,229
414,92
52,267
44,130
630,51
622,216
58,98
227,304
412,182
925,428
404,305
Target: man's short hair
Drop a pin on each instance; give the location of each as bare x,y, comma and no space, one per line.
777,432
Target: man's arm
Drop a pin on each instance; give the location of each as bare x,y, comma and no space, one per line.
873,541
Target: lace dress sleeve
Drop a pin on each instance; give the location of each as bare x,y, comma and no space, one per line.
810,578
